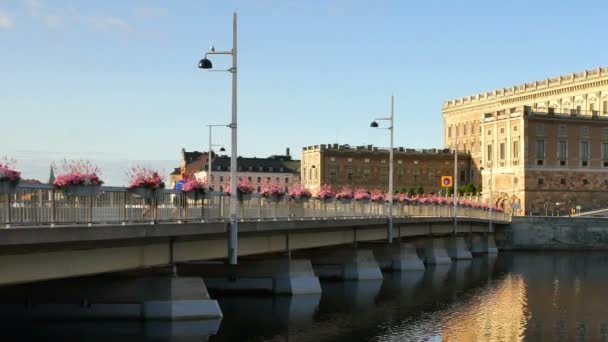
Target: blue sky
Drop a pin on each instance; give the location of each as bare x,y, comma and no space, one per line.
116,81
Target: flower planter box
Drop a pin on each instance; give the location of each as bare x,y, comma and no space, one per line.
327,200
274,198
300,199
82,190
197,194
363,201
345,200
243,196
146,193
8,187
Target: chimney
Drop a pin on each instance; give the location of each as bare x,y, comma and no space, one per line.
287,151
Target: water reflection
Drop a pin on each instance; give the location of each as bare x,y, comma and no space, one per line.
515,297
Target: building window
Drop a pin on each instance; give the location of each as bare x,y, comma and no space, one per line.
584,153
349,174
502,151
563,131
605,151
350,160
366,160
489,132
562,152
605,107
540,149
221,179
578,109
259,179
541,181
464,147
515,151
465,129
399,161
585,182
585,132
562,181
605,181
332,159
489,154
249,179
268,179
540,129
450,132
383,161
286,179
515,128
366,172
502,131
605,132
333,174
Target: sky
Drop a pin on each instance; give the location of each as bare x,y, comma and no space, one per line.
116,82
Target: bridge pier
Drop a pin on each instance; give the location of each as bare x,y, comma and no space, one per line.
277,276
435,252
398,257
116,297
348,263
482,244
457,248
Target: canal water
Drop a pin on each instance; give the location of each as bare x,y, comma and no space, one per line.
512,297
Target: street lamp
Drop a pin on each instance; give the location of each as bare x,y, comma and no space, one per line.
374,124
207,65
209,157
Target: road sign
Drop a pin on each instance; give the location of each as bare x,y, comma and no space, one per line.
446,181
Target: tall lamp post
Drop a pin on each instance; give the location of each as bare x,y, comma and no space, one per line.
374,124
206,64
209,156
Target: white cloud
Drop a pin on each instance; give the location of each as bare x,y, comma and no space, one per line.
110,24
37,10
6,22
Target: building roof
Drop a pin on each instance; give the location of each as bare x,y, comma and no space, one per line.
270,165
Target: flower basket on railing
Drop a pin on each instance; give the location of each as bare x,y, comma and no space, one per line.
299,194
145,183
377,196
345,196
9,179
194,188
326,194
78,178
244,189
272,191
361,196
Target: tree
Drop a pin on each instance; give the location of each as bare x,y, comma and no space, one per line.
411,192
420,190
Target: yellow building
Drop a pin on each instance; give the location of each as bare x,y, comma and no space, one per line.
542,146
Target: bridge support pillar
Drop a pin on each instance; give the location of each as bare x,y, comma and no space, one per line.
435,252
347,264
398,257
277,276
141,298
482,244
457,248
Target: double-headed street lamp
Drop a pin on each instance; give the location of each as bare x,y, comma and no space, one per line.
206,64
374,124
209,156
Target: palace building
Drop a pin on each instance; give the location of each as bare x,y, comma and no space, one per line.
541,147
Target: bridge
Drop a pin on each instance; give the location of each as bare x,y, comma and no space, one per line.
117,254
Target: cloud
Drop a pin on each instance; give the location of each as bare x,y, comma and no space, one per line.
109,24
37,10
6,22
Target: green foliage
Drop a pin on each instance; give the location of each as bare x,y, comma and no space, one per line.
411,192
420,190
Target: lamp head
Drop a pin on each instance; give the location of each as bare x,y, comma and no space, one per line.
374,124
222,149
205,64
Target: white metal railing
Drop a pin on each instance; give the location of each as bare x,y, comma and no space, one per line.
41,204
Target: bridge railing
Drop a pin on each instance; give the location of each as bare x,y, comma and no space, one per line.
44,205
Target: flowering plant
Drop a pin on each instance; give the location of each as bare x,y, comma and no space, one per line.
77,172
377,196
192,184
243,187
7,173
141,177
297,190
271,189
326,192
345,193
402,197
361,194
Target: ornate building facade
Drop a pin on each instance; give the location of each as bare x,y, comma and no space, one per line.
542,147
368,166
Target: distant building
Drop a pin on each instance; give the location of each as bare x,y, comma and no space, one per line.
368,166
545,142
276,168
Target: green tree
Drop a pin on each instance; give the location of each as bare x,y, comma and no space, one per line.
420,190
411,192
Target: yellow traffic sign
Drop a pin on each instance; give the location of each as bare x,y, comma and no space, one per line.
446,181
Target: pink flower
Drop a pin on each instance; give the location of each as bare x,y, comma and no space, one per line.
7,173
243,186
143,177
345,193
297,190
271,189
77,172
361,194
377,196
326,192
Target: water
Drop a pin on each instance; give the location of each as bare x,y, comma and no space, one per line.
514,297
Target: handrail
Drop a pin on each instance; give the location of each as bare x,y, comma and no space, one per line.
44,205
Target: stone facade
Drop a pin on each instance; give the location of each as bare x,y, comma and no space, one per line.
541,145
368,167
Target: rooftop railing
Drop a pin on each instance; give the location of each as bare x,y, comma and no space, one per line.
43,205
